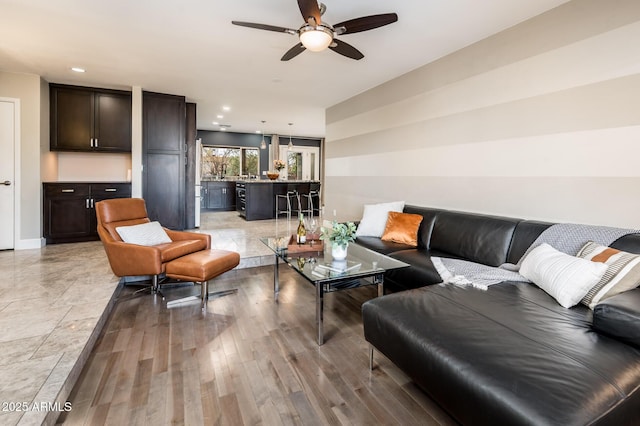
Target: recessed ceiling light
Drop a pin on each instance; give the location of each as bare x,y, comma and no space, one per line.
223,129
215,123
220,116
258,131
77,69
226,108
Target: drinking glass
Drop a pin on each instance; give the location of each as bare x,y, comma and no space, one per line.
312,228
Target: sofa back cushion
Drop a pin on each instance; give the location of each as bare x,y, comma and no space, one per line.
525,234
475,237
630,243
619,317
426,226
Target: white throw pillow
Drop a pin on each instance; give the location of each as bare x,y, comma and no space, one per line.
374,218
566,278
145,234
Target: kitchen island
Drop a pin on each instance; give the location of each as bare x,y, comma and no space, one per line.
255,199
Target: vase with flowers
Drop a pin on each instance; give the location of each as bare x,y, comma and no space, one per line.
339,236
278,165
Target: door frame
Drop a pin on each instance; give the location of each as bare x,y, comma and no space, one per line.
304,150
16,169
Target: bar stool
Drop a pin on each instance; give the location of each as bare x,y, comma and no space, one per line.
310,195
303,191
290,194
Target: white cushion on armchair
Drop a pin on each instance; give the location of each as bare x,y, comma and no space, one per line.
145,234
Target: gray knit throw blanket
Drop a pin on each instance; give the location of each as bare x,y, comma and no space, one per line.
565,237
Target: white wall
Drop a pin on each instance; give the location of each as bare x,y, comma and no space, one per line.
541,121
93,167
27,88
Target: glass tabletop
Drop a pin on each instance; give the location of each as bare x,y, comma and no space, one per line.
319,266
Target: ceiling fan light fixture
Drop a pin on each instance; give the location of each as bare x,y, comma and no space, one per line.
316,39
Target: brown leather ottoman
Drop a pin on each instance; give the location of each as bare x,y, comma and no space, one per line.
201,267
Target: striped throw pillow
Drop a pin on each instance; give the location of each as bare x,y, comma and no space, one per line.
623,272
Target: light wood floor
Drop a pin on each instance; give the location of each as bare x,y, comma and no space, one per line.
247,360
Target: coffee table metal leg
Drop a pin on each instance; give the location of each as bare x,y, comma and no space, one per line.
319,309
276,280
370,357
378,279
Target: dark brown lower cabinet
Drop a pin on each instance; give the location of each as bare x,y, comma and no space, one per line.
69,208
219,195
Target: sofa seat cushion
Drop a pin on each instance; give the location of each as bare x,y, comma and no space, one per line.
507,355
384,247
176,249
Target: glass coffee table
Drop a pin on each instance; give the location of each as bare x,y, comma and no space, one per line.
362,267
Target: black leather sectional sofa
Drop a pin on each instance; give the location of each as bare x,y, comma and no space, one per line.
509,355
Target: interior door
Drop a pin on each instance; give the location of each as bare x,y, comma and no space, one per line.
302,162
7,172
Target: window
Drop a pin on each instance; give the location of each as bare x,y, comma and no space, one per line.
225,161
294,165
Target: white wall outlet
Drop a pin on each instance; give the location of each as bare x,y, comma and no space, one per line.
264,173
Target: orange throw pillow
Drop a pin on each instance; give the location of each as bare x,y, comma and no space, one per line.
402,228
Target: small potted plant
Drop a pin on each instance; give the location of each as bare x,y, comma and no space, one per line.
339,236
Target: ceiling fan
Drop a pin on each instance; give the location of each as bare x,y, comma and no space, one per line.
316,35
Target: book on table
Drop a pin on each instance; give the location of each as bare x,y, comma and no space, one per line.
335,268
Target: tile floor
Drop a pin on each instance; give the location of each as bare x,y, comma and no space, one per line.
55,300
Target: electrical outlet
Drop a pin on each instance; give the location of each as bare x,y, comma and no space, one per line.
264,173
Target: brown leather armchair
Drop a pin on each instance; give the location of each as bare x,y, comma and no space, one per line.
136,260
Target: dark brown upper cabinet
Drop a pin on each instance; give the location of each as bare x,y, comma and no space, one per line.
88,119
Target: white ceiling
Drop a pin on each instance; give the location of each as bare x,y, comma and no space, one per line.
191,48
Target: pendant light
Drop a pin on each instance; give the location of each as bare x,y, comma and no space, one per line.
290,146
263,144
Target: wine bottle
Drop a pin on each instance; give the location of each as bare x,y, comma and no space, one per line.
302,233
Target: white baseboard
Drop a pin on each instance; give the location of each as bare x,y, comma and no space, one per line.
34,243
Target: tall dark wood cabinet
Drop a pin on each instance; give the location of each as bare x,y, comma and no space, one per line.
163,158
89,119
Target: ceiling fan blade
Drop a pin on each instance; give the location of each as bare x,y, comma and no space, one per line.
265,27
365,23
293,52
346,49
310,9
